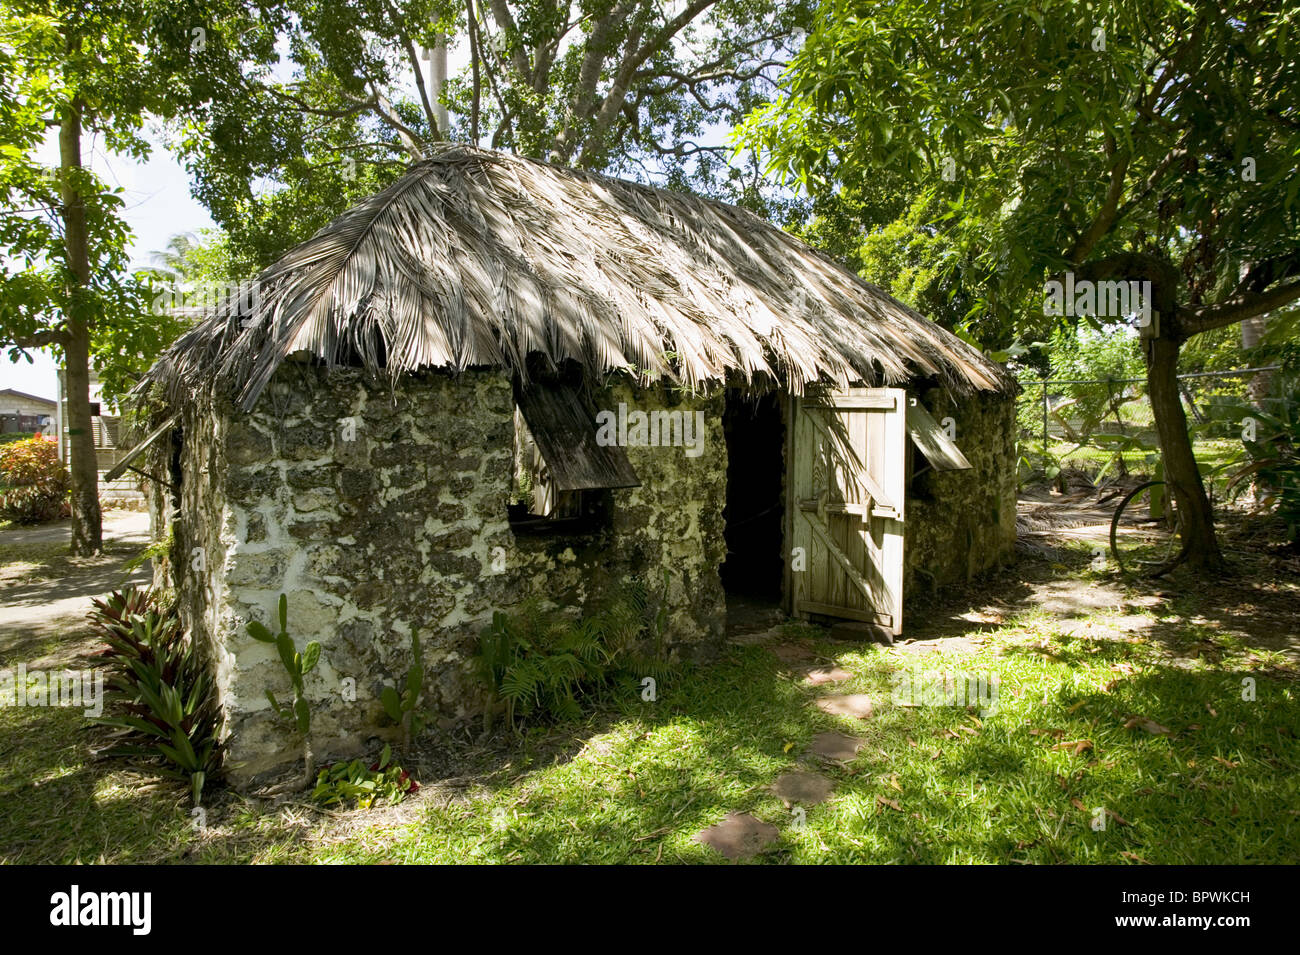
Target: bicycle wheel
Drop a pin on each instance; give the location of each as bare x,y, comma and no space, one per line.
1148,516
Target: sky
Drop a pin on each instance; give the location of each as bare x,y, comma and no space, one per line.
158,206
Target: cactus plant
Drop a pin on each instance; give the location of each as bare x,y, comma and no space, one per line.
297,665
401,706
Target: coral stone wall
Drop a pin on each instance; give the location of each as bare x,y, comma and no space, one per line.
670,529
667,533
962,523
382,512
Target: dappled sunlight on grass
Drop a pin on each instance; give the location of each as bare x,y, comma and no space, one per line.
1182,739
1029,782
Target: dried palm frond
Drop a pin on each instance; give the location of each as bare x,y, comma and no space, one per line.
476,258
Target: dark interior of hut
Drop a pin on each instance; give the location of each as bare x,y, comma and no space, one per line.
752,573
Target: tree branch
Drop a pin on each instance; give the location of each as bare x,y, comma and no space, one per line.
475,102
501,14
613,100
384,110
429,114
1105,217
43,339
1237,308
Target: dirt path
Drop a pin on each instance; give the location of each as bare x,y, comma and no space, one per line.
44,595
1243,606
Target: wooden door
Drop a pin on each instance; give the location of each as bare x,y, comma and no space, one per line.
846,462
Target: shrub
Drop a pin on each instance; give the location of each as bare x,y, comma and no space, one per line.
1271,454
33,481
169,714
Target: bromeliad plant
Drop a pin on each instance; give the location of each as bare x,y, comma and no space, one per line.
297,665
361,784
401,707
169,712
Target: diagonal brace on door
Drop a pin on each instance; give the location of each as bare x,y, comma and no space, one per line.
875,599
878,502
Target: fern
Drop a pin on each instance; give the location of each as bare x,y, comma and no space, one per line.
539,663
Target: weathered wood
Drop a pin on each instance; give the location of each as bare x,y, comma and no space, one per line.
846,491
858,471
124,465
879,399
845,613
565,433
932,441
873,595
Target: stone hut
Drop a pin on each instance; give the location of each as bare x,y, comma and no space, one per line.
499,379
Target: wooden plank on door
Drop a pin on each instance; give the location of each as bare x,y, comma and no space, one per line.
846,470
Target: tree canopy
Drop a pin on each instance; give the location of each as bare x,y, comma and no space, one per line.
335,99
1128,140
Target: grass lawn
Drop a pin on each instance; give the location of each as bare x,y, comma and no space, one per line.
1152,731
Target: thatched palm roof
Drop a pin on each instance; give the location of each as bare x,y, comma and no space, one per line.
477,258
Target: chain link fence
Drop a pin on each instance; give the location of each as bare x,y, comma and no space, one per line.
1098,425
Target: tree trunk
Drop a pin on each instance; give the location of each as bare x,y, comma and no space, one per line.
1195,516
87,530
1259,385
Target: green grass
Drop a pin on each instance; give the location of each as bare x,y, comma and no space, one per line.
935,784
967,790
59,806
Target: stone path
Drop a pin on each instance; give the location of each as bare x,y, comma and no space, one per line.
851,704
739,835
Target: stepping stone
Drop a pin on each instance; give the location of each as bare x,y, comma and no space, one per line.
836,746
820,675
846,704
794,653
750,639
861,633
738,836
800,787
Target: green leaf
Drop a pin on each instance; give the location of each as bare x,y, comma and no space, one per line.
310,656
259,631
284,612
392,705
288,655
302,714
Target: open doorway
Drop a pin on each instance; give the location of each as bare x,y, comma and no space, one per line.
753,572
